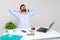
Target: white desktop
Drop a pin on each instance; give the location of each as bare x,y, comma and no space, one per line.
38,35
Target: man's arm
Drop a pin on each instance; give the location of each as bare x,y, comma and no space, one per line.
13,11
32,11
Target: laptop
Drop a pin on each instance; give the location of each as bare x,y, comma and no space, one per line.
44,30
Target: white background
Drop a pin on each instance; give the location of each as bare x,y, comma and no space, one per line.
47,12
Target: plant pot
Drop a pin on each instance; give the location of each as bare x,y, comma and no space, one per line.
10,31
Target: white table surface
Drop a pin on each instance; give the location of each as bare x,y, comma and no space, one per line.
38,35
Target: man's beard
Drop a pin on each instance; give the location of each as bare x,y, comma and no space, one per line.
23,10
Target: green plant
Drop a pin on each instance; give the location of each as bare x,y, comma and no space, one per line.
10,25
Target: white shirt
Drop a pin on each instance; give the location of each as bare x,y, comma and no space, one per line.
24,18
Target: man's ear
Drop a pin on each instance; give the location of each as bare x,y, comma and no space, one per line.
28,10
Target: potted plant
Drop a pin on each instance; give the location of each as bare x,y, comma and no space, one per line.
10,26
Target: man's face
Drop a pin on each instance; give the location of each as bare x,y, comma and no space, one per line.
23,8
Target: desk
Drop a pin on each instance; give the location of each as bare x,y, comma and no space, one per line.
39,35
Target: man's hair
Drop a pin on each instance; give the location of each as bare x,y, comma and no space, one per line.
22,5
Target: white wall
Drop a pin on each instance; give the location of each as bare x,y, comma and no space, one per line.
47,12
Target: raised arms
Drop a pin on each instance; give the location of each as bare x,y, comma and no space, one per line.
14,11
32,11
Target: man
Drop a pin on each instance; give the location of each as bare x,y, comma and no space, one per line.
23,16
